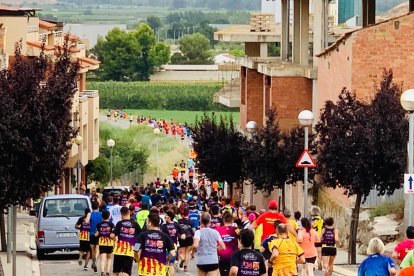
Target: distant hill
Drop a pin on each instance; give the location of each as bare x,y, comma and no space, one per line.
27,3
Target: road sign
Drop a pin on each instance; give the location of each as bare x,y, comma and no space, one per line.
306,160
408,183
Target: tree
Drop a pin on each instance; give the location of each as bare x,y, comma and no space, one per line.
262,156
131,55
154,22
357,150
196,49
35,126
218,146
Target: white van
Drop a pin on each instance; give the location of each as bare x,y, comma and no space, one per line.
55,226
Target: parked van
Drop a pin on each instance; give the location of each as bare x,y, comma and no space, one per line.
56,221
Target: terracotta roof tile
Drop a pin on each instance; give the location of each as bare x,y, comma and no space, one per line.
39,45
89,60
46,25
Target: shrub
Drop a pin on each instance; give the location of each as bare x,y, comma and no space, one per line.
389,207
160,96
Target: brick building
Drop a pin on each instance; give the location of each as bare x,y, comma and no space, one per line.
356,61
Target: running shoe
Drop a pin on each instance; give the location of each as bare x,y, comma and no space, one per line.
182,264
85,268
95,268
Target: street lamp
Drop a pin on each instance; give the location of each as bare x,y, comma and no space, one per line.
111,144
305,119
251,128
78,141
157,131
407,102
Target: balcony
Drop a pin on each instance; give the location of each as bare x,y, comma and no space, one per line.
32,29
42,37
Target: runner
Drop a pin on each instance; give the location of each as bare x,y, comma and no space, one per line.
175,172
247,262
83,225
285,253
182,167
142,214
404,246
115,211
187,243
106,244
292,222
329,240
229,235
174,231
153,250
317,224
268,220
96,218
205,242
307,238
227,208
216,220
266,251
376,263
194,215
126,235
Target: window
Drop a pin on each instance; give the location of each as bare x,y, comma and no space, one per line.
64,207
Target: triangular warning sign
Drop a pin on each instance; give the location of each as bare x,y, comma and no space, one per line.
305,160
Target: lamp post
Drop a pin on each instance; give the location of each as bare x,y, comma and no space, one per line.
111,144
407,102
157,132
251,128
305,119
78,141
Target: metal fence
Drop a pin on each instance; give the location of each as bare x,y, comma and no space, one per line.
373,199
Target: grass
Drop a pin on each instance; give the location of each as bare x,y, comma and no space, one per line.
388,207
171,150
177,115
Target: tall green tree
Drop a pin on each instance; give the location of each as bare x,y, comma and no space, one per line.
196,49
154,22
35,126
131,55
362,147
218,145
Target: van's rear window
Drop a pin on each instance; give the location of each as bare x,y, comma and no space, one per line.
65,207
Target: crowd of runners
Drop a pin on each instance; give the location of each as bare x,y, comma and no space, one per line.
168,223
171,127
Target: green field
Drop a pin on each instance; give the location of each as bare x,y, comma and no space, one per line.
177,115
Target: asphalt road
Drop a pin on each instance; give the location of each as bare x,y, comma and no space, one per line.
66,264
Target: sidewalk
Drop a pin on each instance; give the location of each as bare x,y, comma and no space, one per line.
27,265
341,266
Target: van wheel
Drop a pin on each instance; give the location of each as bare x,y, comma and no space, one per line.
40,254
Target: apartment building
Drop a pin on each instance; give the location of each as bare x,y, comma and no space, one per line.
22,24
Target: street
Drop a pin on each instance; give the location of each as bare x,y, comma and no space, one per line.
67,264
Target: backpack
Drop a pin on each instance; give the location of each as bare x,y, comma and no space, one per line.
228,209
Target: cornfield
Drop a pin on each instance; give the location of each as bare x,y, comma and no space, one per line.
158,96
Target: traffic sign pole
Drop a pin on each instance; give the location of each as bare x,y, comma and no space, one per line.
305,176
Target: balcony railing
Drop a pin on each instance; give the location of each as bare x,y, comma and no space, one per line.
83,98
42,37
81,46
32,29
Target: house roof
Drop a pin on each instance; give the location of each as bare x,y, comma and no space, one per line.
40,45
9,8
72,37
46,25
348,34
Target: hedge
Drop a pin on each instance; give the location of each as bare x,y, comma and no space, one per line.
158,96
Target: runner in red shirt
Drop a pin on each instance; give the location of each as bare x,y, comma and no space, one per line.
403,247
268,220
